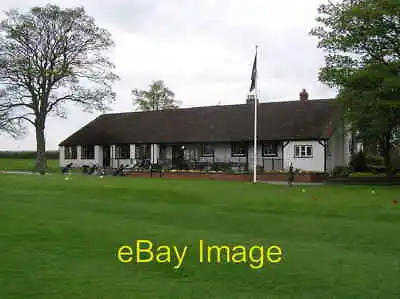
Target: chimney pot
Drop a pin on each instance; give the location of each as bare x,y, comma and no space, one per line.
303,95
251,98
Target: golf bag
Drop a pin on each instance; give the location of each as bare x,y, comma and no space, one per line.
66,169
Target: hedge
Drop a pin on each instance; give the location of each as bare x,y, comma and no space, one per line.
27,154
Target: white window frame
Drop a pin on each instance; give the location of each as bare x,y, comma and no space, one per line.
122,151
142,151
242,146
270,149
301,151
86,150
71,152
207,150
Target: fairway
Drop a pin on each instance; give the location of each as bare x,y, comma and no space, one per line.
26,164
60,239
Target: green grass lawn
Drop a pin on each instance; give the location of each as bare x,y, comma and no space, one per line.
25,164
59,239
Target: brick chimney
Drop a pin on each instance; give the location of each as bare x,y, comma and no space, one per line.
303,96
251,98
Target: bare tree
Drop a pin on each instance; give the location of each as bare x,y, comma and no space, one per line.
49,57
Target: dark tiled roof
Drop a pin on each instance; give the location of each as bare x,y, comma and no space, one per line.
291,120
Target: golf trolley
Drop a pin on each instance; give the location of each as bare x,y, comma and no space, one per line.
92,170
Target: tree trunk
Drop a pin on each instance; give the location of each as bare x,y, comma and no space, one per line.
352,143
387,161
386,150
40,150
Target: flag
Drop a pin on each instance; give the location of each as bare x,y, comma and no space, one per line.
253,87
254,74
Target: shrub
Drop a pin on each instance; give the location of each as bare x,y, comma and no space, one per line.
51,155
342,171
221,166
358,162
365,174
396,161
369,174
374,160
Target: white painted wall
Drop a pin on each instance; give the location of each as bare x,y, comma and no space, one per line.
98,154
267,160
61,160
339,148
154,152
80,162
336,156
168,152
316,163
98,157
346,146
79,152
132,154
115,163
339,144
223,152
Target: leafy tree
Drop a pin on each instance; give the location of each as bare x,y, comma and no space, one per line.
377,122
356,33
158,97
50,57
361,39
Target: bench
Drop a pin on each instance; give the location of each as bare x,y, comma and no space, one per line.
155,168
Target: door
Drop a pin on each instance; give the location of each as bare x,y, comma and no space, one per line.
178,155
106,156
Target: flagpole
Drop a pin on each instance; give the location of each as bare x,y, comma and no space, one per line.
255,129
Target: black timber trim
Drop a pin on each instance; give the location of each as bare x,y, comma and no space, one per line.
284,144
324,143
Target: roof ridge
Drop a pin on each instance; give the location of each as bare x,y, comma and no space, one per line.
219,123
214,106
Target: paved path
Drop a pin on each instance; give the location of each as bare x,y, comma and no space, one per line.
294,183
264,182
20,172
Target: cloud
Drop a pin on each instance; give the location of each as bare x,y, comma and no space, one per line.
203,50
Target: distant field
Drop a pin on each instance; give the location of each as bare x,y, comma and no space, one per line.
59,238
25,164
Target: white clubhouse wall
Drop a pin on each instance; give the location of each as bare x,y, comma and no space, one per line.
98,157
339,147
264,161
315,163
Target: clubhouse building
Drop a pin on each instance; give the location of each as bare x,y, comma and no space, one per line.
308,133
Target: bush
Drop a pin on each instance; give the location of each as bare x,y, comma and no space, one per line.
369,174
358,162
365,174
374,160
221,166
396,161
51,155
342,171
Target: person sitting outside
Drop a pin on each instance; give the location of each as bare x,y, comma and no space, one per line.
66,169
120,171
85,169
92,169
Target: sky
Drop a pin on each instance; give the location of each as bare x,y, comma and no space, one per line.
202,50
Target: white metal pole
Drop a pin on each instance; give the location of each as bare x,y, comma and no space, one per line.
255,129
255,143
